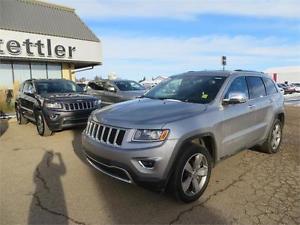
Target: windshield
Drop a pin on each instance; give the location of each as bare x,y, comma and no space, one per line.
57,86
196,89
128,85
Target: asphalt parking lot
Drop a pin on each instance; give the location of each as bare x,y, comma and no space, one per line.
45,181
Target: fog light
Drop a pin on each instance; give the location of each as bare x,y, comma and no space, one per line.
53,116
148,164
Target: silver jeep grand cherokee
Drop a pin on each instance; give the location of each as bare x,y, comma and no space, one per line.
174,134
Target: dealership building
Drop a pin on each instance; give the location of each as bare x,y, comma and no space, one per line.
43,40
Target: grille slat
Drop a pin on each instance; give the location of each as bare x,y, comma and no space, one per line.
112,135
91,129
105,134
95,131
100,133
108,136
115,139
87,127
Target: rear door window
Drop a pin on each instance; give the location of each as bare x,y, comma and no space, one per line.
256,87
270,86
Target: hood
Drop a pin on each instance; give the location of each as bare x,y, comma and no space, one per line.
67,96
146,112
131,94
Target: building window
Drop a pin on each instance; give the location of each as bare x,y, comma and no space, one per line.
6,76
54,71
38,71
21,72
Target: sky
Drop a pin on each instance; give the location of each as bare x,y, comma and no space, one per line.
165,37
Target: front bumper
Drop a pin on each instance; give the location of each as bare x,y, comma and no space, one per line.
66,119
123,164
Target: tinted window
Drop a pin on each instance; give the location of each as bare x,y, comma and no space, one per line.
256,87
270,86
128,85
96,86
238,85
196,89
107,85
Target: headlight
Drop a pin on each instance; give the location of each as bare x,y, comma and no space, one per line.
151,135
53,105
97,102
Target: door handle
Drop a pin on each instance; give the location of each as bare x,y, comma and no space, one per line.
251,106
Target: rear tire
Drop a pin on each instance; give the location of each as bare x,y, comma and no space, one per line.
272,144
20,117
192,173
41,125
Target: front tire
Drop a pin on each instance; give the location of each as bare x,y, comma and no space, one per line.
272,144
41,125
20,117
192,173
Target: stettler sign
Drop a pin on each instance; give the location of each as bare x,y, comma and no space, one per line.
26,45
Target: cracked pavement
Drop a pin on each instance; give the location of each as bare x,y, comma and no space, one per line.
44,181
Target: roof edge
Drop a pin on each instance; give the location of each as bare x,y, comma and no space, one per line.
48,4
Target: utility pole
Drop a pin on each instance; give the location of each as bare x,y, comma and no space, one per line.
223,62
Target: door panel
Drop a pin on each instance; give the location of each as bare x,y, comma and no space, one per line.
262,112
237,127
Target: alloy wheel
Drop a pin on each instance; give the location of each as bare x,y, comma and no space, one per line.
276,136
194,174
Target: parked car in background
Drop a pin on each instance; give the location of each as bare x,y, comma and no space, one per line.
287,88
280,89
296,86
113,91
53,105
174,135
83,86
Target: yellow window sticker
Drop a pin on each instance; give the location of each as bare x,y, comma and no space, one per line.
204,95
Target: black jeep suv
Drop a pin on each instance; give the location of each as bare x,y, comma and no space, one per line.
53,105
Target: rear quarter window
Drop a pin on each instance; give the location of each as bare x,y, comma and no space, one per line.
270,86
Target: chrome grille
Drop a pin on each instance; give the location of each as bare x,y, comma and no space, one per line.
105,134
78,105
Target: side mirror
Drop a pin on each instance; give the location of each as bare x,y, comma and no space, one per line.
111,89
235,98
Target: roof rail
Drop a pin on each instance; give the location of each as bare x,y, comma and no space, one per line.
240,70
